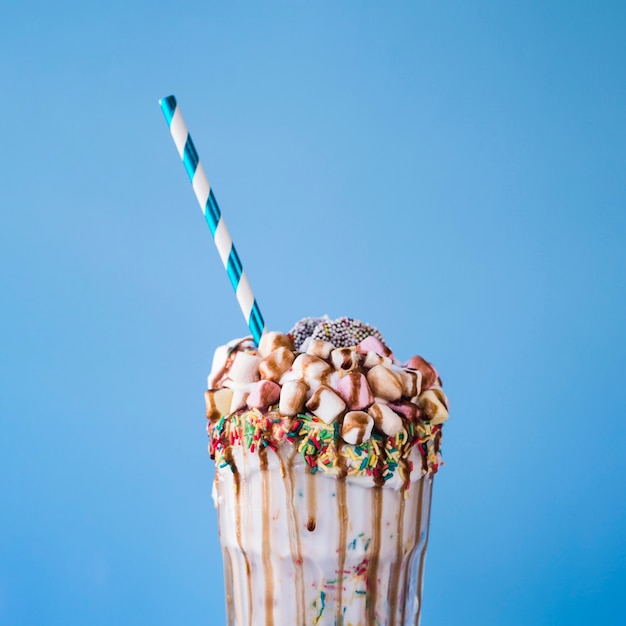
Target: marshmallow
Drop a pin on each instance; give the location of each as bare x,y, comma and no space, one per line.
319,348
357,427
372,359
385,419
434,406
245,368
272,340
305,344
292,397
373,344
263,394
273,366
326,404
344,359
429,373
289,375
385,384
238,400
408,410
355,391
411,382
217,402
310,367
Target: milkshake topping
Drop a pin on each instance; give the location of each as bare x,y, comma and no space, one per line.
334,390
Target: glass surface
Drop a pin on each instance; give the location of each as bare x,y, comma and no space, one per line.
308,549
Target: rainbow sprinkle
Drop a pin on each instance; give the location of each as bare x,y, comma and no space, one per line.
319,444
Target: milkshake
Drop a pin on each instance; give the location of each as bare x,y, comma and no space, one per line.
325,447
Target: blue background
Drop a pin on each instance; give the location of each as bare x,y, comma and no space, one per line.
451,172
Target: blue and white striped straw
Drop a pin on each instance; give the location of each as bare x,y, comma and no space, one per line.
213,216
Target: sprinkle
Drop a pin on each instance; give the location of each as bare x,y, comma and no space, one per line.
342,332
322,607
317,443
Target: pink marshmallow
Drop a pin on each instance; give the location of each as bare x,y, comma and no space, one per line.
408,410
429,373
263,394
375,345
355,391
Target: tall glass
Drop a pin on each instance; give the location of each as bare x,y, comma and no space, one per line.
309,549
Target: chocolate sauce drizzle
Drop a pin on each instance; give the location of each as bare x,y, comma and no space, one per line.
294,534
372,565
417,545
266,544
394,579
228,455
312,502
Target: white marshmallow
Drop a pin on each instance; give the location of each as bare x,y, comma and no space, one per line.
326,404
245,368
292,397
411,381
275,364
272,340
344,359
238,401
319,348
311,368
434,406
386,420
289,376
357,427
384,383
217,402
372,359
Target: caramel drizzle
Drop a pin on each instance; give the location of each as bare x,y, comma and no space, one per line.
416,545
394,578
312,503
228,455
228,575
266,548
342,515
342,512
372,565
294,534
420,583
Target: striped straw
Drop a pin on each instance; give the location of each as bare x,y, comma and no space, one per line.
213,216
